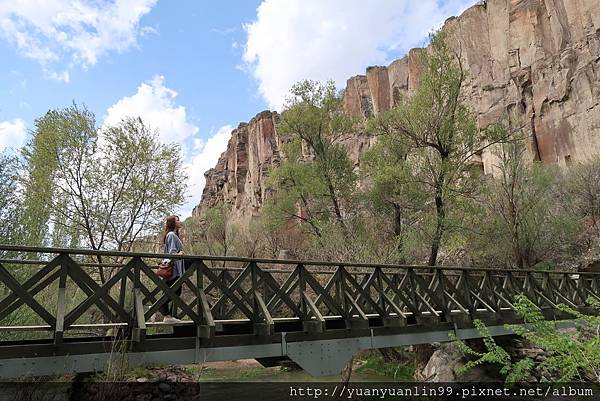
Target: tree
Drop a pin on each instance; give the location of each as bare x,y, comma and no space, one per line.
392,192
441,134
216,234
581,189
315,183
9,201
40,167
524,218
106,187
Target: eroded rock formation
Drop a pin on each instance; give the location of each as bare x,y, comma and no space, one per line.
534,62
237,179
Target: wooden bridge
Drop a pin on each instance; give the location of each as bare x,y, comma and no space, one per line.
57,316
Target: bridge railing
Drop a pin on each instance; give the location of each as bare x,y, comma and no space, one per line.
60,290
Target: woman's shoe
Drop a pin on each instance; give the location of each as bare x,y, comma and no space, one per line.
171,320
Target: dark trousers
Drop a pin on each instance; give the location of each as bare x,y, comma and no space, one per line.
169,308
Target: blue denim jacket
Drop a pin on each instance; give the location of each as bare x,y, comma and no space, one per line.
174,245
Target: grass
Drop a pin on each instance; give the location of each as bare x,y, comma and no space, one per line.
200,370
253,373
375,364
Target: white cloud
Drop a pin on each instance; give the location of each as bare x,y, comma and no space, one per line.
207,154
75,32
155,104
314,39
12,134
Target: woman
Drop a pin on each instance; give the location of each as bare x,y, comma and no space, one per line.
173,245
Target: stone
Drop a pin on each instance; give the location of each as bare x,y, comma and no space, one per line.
164,387
442,365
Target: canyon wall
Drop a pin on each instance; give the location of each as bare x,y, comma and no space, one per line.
237,179
535,63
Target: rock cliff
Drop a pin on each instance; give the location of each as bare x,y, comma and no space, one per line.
237,179
535,62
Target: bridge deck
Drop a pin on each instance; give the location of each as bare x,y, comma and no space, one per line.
57,316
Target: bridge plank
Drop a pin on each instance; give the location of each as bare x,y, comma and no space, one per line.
395,307
359,311
262,309
138,334
363,293
287,288
397,290
229,294
61,302
327,300
434,297
332,282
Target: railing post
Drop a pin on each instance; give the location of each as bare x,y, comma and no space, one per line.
262,326
340,291
442,292
138,332
61,301
309,325
207,328
302,288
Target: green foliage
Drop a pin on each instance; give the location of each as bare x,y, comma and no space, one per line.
315,183
394,194
376,364
528,224
437,136
10,205
579,188
216,234
494,354
54,134
253,373
98,188
573,355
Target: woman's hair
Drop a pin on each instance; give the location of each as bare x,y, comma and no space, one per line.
171,226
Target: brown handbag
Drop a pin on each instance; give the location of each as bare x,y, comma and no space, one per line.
165,270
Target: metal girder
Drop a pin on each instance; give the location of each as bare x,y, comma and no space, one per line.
318,357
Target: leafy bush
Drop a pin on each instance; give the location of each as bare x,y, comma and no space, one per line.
573,355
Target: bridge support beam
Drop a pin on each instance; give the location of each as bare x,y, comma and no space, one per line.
326,357
323,357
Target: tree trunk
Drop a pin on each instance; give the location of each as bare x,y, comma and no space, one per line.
398,232
336,205
347,372
439,226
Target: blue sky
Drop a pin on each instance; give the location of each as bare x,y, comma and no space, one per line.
191,69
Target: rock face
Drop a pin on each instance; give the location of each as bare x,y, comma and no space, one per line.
237,179
535,63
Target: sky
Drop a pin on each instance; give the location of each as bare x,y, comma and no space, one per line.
192,69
